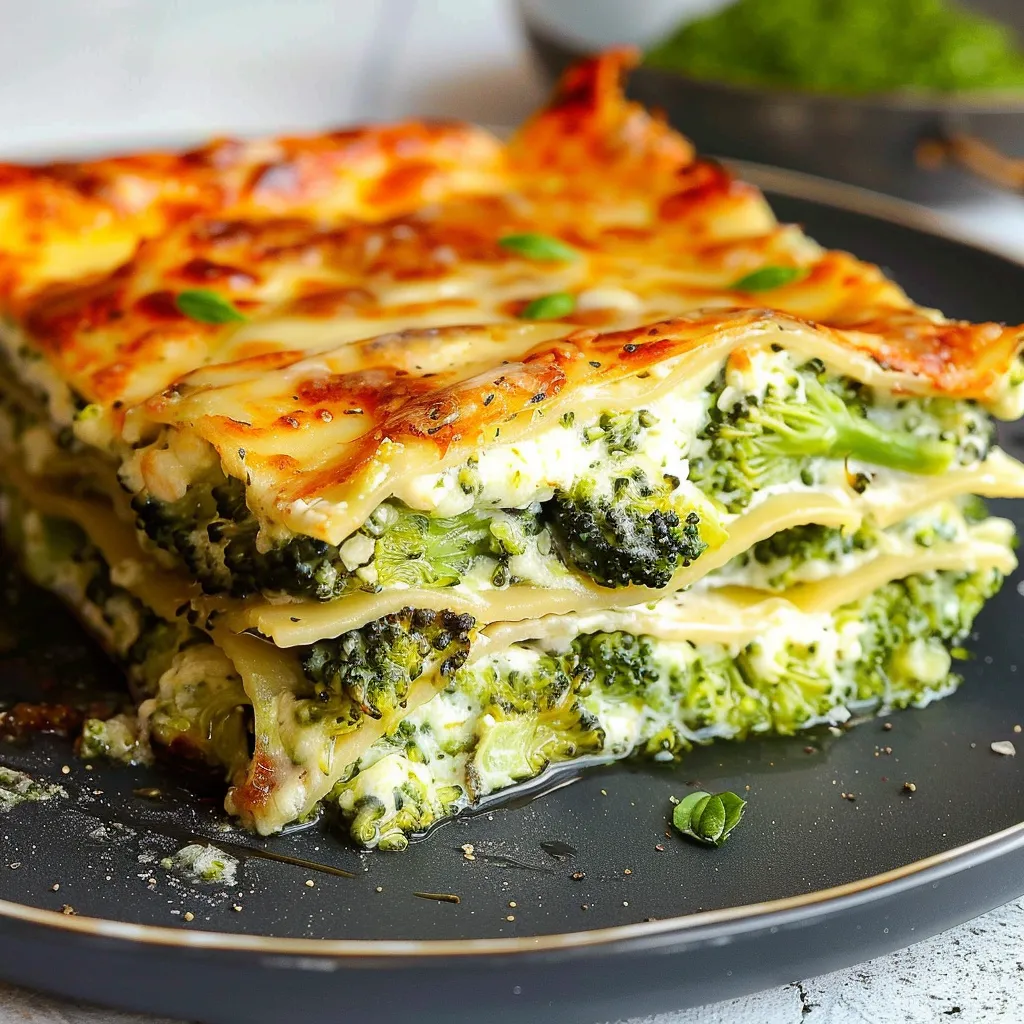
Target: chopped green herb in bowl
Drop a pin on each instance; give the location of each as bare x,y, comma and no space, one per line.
847,46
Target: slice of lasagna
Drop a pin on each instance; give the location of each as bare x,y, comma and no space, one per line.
395,465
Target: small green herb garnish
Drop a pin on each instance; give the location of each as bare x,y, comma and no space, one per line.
549,307
708,818
207,307
767,278
539,247
88,412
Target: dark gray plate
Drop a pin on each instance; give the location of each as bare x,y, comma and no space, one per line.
634,920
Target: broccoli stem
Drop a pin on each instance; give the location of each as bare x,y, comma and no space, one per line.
863,440
824,426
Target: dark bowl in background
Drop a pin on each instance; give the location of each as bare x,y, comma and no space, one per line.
927,148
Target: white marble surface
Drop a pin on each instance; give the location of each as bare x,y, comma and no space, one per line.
81,73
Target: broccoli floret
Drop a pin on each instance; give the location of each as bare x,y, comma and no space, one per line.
511,530
406,548
150,656
531,716
612,694
414,549
620,668
512,746
197,709
701,687
905,629
628,529
390,798
787,552
214,533
553,708
807,553
619,663
180,526
64,540
376,664
903,633
229,497
201,712
714,696
962,423
974,509
631,534
200,862
620,432
302,567
753,445
797,683
812,542
823,424
113,739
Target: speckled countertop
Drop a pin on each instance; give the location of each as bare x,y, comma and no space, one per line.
109,71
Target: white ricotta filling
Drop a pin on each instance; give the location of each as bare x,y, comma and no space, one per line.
518,474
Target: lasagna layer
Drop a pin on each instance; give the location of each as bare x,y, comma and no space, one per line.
613,694
287,729
365,448
414,358
601,514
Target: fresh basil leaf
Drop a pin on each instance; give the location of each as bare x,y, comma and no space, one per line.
549,307
711,823
684,809
539,247
734,807
708,818
767,278
696,829
207,307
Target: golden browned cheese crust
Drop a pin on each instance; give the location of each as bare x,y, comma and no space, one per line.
392,234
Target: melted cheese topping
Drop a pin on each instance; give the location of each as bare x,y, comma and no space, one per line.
382,338
323,441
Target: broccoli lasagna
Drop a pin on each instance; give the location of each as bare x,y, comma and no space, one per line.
395,465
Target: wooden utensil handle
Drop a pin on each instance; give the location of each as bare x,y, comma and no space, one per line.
974,155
